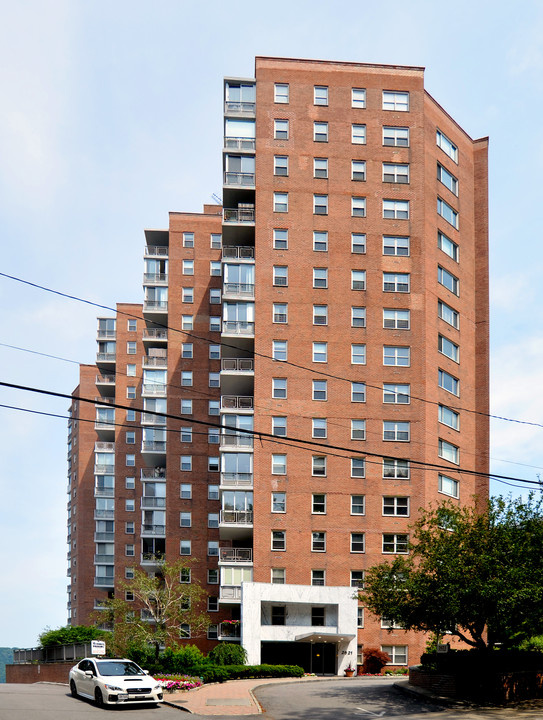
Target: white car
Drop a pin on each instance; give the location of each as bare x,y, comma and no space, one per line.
113,682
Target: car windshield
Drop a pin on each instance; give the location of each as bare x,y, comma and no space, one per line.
119,667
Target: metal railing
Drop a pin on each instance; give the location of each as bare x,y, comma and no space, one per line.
104,559
155,334
238,252
152,361
105,379
238,215
152,419
152,558
236,555
155,473
230,592
238,364
155,305
104,492
230,630
106,334
153,529
100,581
247,108
106,357
104,446
239,178
234,288
153,502
52,654
104,536
155,278
237,402
239,143
236,517
238,327
100,469
156,250
104,514
236,440
237,479
153,446
153,389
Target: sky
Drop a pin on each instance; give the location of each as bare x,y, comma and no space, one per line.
111,116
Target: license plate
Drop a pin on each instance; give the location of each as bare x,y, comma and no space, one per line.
122,696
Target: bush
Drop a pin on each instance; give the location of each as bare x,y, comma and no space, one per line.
70,634
228,654
212,673
183,660
374,661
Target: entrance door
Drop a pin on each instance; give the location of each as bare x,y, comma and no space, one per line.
323,658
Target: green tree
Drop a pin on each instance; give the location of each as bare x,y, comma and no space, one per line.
474,572
70,634
162,611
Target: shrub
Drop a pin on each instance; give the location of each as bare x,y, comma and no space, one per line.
374,661
70,634
212,673
182,660
228,654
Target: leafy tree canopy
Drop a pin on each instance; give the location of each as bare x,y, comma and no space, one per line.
70,634
476,573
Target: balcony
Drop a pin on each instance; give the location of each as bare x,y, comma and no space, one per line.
235,290
154,446
104,425
155,306
105,379
153,530
238,252
104,582
239,108
152,419
155,473
239,143
149,503
230,630
104,559
239,179
153,362
236,555
238,327
152,558
155,334
104,514
104,447
153,389
156,251
231,440
236,479
104,334
155,278
230,593
244,216
245,365
100,469
237,402
106,357
104,537
104,492
236,517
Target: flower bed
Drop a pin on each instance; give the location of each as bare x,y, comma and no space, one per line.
178,683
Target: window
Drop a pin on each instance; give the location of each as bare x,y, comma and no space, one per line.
213,464
320,95
396,431
320,167
130,370
318,504
358,279
130,438
448,451
358,467
357,542
212,547
213,577
279,426
393,543
448,486
131,348
184,547
188,239
187,294
279,502
358,317
358,354
448,417
320,314
318,616
129,550
215,269
214,407
130,415
320,204
130,460
358,98
280,202
130,483
186,463
214,379
279,388
320,277
447,212
396,394
447,179
320,389
358,505
320,241
358,392
320,131
358,206
318,577
448,348
216,241
213,632
394,173
395,245
278,540
394,355
186,434
448,382
280,129
280,165
396,282
132,325
188,267
280,313
396,136
396,319
214,352
359,624
449,247
319,428
318,466
396,209
358,134
280,239
213,520
397,653
448,314
391,624
186,408
213,436
320,352
358,170
187,322
358,429
129,528
279,464
394,100
395,469
278,576
396,506
279,350
278,615
186,378
280,275
212,492
280,94
318,542
186,350
185,491
185,519
448,147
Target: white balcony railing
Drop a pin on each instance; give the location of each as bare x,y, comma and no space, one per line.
243,289
236,555
236,440
153,446
238,252
236,517
153,502
156,251
239,215
105,357
155,306
239,179
238,327
245,108
237,402
153,530
230,592
239,143
238,364
155,278
155,473
153,389
155,334
149,361
231,479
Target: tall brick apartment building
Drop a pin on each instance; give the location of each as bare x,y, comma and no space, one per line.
337,306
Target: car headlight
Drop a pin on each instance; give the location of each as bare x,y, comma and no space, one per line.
157,687
112,687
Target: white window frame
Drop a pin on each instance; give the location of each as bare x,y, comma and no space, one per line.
318,503
392,390
358,429
358,467
279,425
279,386
396,506
320,314
396,356
396,173
448,348
358,392
278,464
320,95
395,543
395,136
320,167
320,204
280,317
280,129
448,486
317,390
358,98
281,93
358,170
320,240
396,319
396,209
279,502
318,541
278,540
358,206
358,243
446,245
280,202
319,428
447,179
358,542
358,505
396,469
320,277
447,451
280,275
280,350
358,134
396,431
448,314
447,212
396,282
358,354
280,165
396,100
445,379
449,417
358,316
447,145
320,131
319,352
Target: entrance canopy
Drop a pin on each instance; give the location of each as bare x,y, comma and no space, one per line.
320,637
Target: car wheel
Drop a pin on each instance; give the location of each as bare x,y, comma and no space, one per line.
73,689
98,698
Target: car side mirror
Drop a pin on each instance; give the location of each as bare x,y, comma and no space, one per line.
146,672
89,673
